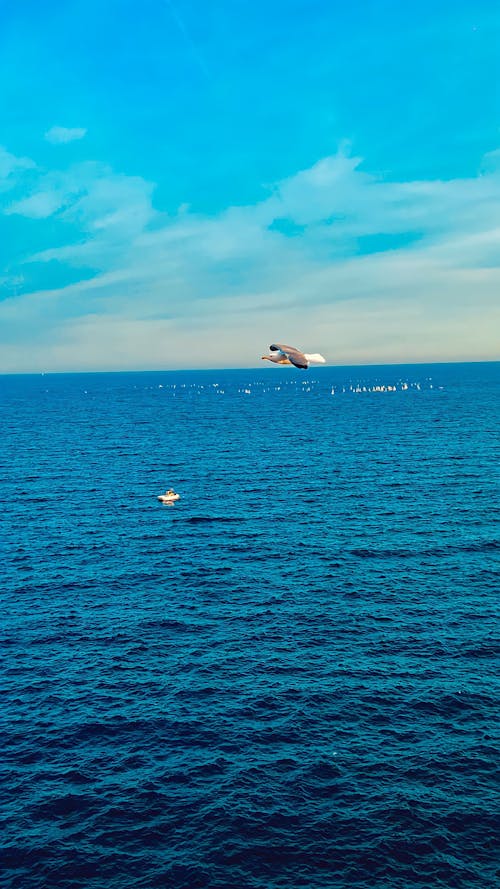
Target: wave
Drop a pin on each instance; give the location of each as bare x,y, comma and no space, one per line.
194,520
407,552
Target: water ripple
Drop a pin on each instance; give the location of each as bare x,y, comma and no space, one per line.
287,679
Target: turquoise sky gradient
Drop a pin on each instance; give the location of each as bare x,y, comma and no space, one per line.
181,183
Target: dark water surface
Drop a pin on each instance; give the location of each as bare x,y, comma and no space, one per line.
287,679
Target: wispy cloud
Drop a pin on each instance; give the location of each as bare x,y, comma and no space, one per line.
218,288
104,205
11,168
60,135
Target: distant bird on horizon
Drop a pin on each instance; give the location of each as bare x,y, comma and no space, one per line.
290,355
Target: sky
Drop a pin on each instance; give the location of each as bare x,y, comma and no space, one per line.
183,183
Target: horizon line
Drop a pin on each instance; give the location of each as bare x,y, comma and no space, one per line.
42,373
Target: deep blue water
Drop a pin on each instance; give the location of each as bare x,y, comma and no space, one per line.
287,679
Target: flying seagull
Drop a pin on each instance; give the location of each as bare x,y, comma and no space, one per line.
290,355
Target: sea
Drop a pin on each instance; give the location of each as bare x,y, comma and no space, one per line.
289,677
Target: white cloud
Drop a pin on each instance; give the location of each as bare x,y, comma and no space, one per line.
37,206
61,135
106,206
227,285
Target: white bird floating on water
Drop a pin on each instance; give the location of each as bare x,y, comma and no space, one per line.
290,355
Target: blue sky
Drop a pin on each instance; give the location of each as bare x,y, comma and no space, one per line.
181,183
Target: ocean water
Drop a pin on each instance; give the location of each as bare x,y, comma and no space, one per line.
286,679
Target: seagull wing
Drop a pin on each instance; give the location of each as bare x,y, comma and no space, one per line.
294,355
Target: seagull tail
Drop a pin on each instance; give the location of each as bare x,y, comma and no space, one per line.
315,358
